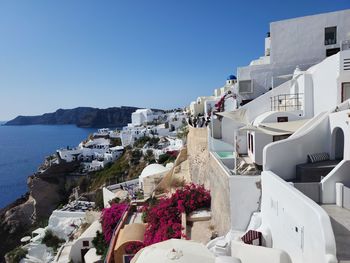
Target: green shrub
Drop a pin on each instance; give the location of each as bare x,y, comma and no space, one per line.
50,240
140,142
135,157
115,200
15,255
139,194
166,158
115,142
100,244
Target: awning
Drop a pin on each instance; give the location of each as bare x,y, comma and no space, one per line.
239,115
276,128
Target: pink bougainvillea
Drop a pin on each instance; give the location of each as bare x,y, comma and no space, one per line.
110,218
164,218
133,247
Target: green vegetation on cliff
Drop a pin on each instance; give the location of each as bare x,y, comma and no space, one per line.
128,166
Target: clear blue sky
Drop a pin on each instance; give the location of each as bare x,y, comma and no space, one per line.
146,53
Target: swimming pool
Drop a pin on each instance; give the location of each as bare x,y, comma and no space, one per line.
224,155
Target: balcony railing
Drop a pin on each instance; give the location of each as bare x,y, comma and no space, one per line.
287,102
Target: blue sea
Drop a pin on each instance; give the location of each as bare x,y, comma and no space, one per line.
24,148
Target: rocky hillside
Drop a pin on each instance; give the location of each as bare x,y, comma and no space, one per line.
46,191
82,117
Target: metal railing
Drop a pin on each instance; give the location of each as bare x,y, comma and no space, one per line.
287,102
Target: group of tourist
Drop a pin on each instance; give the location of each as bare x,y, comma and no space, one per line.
198,121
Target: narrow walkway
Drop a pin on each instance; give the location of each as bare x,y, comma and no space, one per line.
340,219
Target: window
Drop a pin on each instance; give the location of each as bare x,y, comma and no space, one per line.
245,86
330,35
249,141
252,143
282,119
332,51
85,243
345,91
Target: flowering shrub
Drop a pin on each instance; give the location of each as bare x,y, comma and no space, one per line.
164,218
110,218
173,153
133,247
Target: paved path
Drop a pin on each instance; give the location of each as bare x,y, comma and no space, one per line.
340,219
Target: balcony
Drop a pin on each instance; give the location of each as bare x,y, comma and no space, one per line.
287,102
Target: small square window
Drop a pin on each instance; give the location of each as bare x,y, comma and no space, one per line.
85,243
282,119
330,35
245,86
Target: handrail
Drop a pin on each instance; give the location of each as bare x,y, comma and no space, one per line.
109,257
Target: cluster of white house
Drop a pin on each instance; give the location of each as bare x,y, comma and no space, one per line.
94,153
283,143
66,223
147,122
279,143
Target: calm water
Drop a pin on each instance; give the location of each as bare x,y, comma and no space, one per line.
23,149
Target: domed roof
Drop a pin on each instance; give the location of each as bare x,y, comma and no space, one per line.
143,111
152,169
231,77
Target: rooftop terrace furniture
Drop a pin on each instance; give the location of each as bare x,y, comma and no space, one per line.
313,172
251,237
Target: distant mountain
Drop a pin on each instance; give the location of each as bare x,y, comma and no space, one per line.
81,116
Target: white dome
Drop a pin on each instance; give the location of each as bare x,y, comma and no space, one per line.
147,111
152,169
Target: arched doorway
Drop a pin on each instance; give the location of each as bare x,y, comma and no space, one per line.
338,144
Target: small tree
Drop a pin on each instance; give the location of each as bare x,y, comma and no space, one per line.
51,240
100,244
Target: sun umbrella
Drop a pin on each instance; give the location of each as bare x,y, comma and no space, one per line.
174,251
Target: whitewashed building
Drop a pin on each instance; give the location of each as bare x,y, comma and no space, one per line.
298,42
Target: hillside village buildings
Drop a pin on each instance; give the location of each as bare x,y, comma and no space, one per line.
291,127
275,156
147,122
94,153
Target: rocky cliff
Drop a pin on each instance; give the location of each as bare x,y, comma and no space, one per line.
81,116
46,191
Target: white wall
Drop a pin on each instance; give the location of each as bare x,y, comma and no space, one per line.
272,116
303,84
304,49
60,222
324,76
262,104
297,224
249,253
88,235
340,174
209,106
301,40
340,120
281,157
244,200
260,141
228,128
107,196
